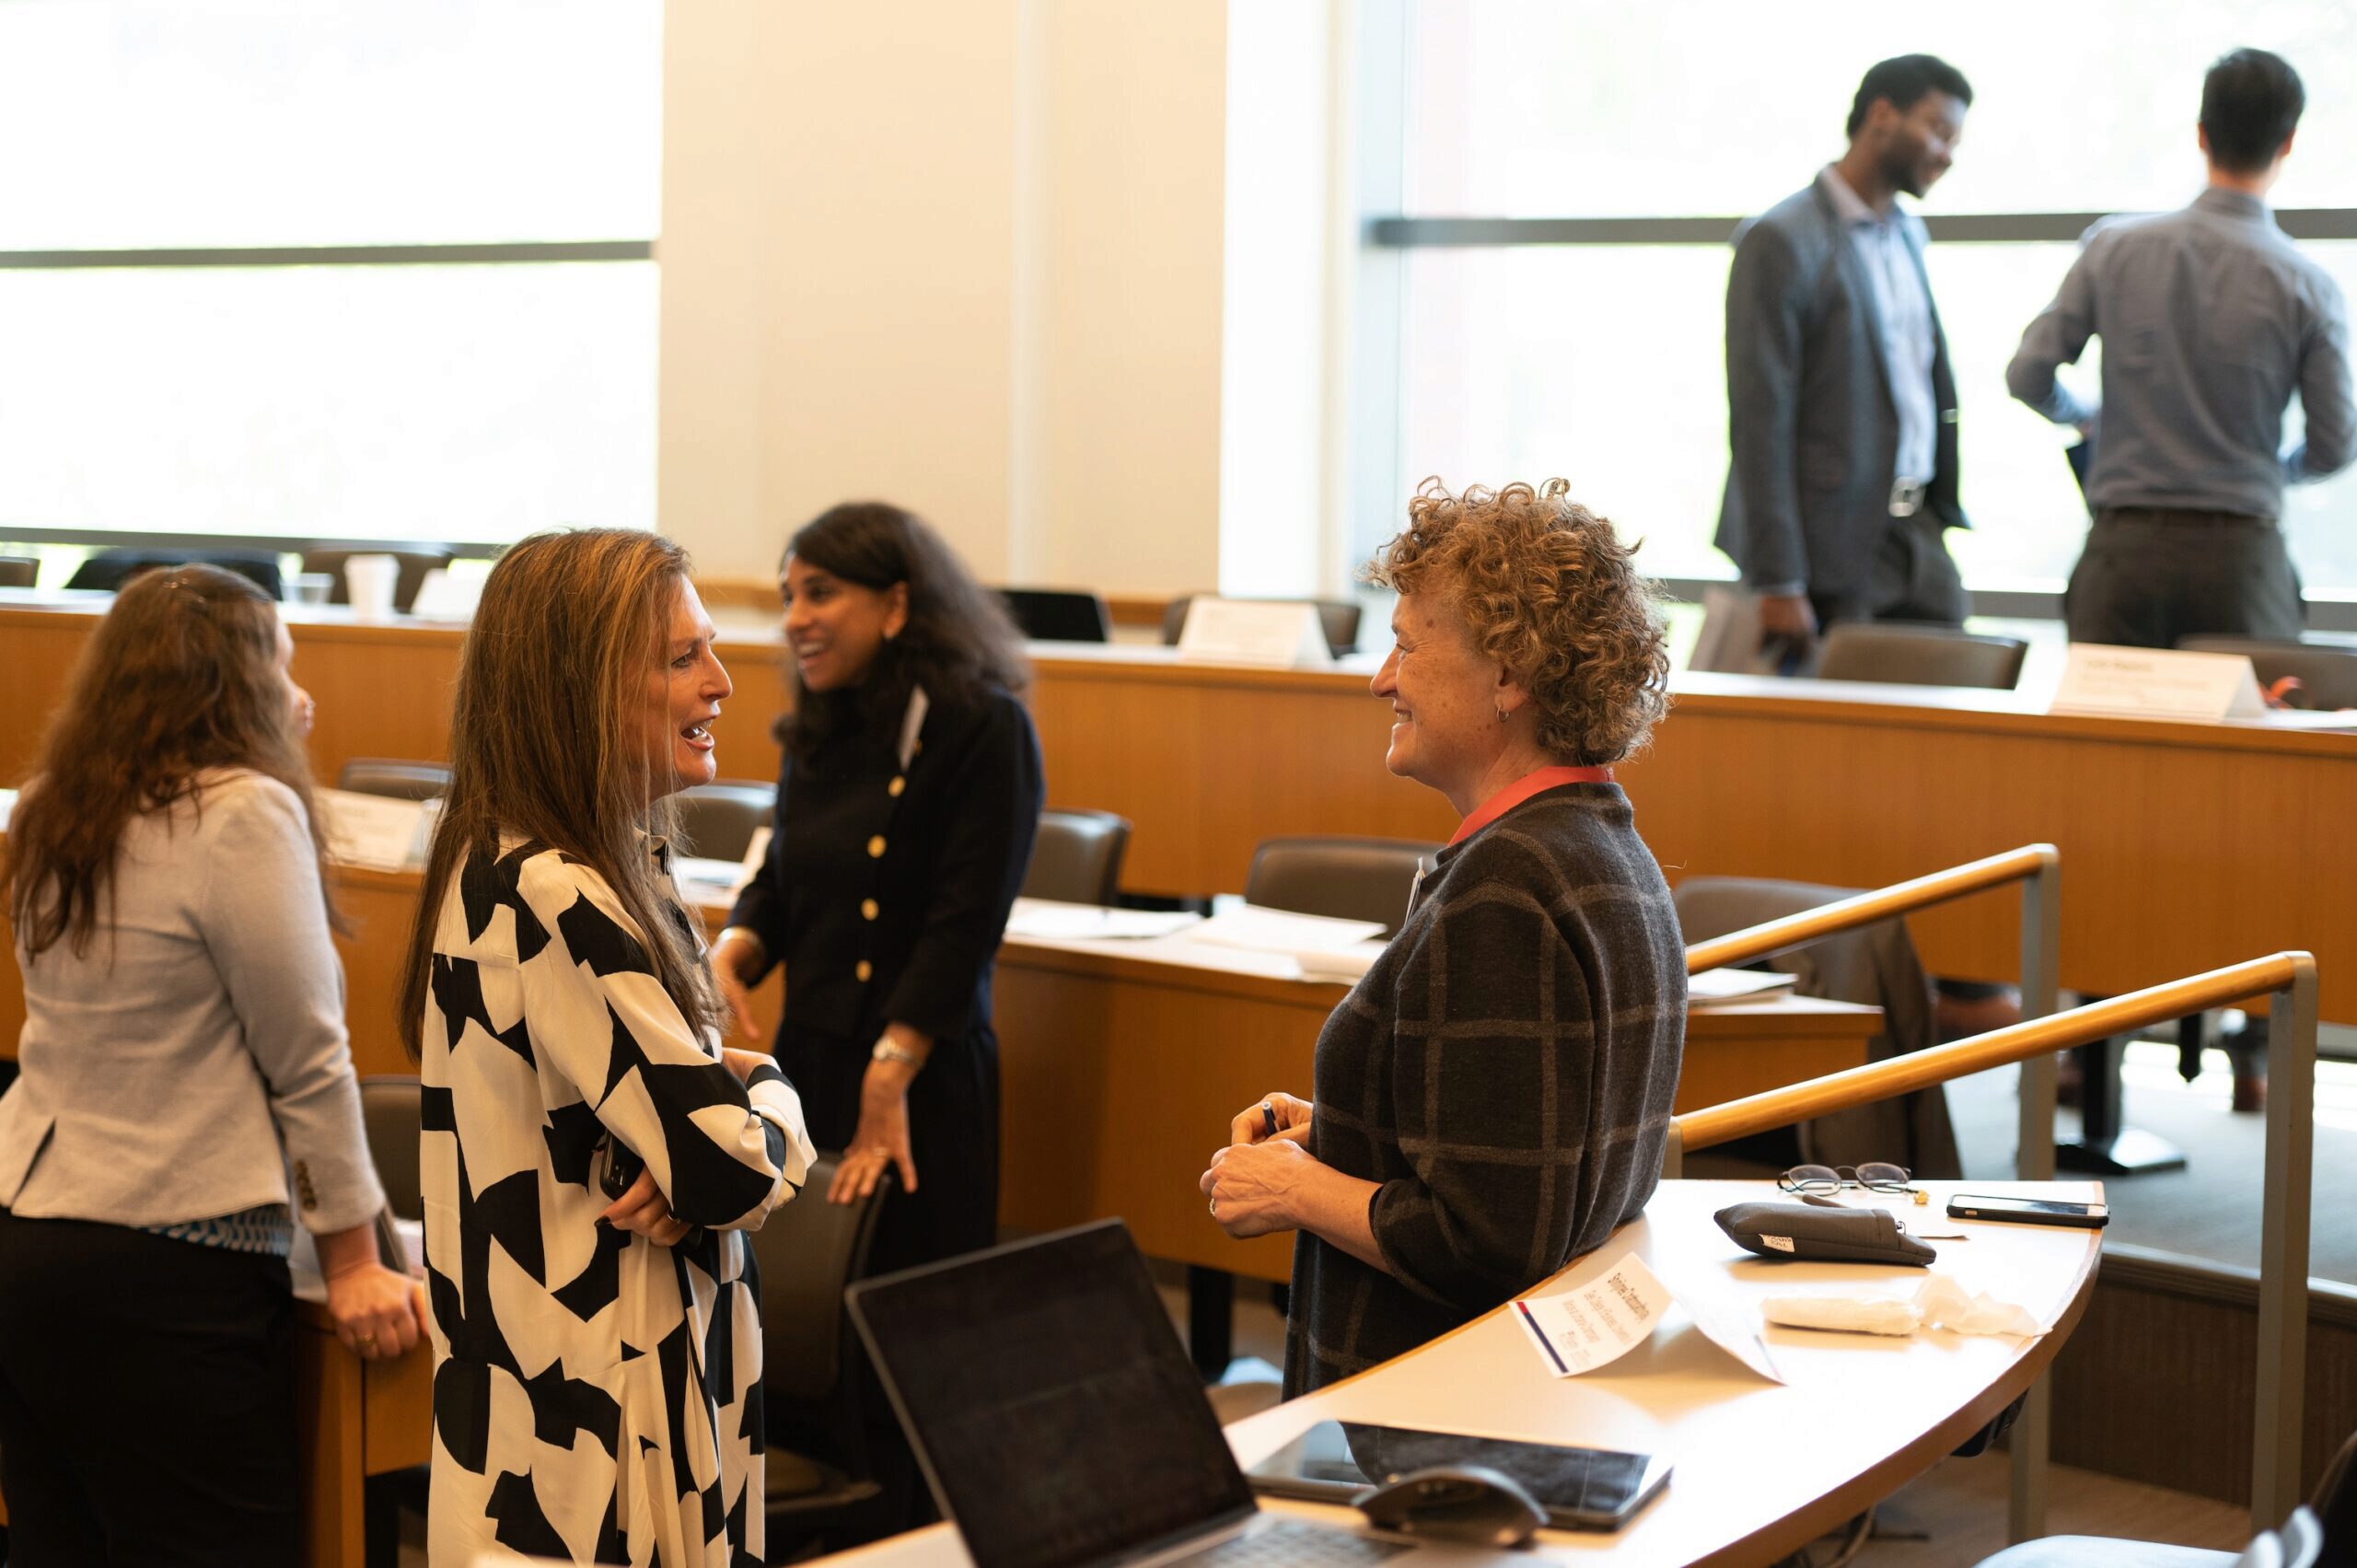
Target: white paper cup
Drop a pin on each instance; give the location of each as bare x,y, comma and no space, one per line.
313,588
369,581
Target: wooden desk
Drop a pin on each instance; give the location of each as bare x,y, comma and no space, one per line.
1762,1469
358,1419
1121,1064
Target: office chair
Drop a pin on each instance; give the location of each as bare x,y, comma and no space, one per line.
108,569
1347,878
1902,655
2327,671
1077,857
813,1375
1874,965
395,779
1337,618
410,568
2300,1544
391,1118
717,821
19,571
1059,615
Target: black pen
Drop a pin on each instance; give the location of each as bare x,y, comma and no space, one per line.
1268,1121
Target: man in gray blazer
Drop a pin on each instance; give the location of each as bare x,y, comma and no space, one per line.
1841,406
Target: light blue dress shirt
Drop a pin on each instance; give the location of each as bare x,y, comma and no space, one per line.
1903,306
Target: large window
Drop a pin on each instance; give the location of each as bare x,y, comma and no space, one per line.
336,269
1597,352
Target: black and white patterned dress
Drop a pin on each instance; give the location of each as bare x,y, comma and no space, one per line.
597,1397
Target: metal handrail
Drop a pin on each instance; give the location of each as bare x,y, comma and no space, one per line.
2289,980
2028,863
2038,869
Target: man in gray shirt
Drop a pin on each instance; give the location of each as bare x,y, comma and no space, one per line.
2210,320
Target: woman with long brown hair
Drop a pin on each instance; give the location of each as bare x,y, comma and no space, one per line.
591,1151
183,1048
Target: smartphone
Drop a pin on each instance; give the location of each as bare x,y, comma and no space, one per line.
1581,1489
2030,1210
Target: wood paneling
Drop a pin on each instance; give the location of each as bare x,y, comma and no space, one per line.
2184,847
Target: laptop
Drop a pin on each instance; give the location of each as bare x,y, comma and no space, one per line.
1060,1422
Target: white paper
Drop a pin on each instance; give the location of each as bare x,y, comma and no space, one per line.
1735,986
444,597
379,832
1048,922
1346,965
1232,631
2157,683
1602,1320
1281,931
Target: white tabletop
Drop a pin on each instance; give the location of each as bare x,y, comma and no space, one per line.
1855,1419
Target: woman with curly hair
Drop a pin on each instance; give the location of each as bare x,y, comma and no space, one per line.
1492,1097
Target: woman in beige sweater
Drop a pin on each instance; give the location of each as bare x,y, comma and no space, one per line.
187,1098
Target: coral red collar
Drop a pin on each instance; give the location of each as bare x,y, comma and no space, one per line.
1522,789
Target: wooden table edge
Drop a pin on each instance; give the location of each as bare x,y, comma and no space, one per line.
1878,1481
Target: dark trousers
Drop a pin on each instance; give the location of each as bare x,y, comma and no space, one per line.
2150,577
147,1401
1911,577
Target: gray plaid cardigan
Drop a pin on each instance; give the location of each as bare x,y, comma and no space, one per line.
1503,1073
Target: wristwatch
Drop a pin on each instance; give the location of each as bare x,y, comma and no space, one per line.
886,1051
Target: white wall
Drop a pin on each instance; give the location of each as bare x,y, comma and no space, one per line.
964,254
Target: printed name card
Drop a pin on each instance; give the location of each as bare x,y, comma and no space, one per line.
1235,630
2157,683
1602,1320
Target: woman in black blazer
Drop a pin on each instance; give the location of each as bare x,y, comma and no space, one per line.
906,809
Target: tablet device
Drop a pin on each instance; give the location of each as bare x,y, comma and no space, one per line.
1581,1489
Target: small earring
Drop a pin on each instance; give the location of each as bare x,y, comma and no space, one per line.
1501,715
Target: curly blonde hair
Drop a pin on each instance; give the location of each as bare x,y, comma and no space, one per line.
1549,591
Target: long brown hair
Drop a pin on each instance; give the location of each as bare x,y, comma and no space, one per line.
958,638
544,741
181,676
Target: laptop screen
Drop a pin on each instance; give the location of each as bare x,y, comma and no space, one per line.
1049,1397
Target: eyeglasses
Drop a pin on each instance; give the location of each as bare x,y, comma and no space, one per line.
1874,1178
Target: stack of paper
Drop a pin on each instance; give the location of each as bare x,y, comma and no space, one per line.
380,832
1049,922
1715,987
1281,931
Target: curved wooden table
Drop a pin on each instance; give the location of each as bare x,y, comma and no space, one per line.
1762,1469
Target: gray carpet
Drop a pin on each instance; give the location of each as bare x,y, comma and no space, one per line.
2211,1208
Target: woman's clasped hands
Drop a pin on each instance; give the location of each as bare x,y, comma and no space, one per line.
1253,1183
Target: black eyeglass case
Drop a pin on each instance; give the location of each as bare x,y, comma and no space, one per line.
1831,1233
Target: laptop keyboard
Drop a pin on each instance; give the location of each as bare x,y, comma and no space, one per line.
1293,1545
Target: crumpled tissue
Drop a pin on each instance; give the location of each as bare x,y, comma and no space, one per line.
1940,1303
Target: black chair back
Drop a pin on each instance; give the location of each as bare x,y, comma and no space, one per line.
1337,618
108,570
809,1252
2327,671
1902,655
1077,857
1347,878
390,1116
1059,615
393,778
717,821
